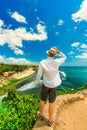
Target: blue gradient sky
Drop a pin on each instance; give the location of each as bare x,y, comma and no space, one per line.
30,27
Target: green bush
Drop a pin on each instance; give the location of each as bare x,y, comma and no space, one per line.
64,91
20,111
12,68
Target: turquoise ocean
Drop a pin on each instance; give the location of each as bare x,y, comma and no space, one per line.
72,77
75,76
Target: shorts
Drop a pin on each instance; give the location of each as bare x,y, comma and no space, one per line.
45,92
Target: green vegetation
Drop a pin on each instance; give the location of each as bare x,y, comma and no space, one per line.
7,82
7,85
17,82
15,68
20,111
1,107
12,68
35,67
71,91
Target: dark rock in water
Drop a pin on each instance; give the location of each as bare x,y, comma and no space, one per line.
27,80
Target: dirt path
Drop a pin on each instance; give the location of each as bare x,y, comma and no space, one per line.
70,113
73,116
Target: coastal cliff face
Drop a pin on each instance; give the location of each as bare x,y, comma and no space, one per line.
70,113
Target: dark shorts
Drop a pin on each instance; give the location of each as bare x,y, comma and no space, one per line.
45,92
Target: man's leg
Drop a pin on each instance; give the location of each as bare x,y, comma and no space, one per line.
44,92
41,107
51,110
52,97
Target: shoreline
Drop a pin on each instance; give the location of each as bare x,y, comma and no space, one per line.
16,79
23,74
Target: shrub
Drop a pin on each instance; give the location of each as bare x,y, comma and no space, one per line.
20,111
63,90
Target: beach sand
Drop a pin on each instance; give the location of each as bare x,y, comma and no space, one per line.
23,74
70,113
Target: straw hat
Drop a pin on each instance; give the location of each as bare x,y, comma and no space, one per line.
53,51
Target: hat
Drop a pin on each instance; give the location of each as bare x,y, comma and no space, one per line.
53,51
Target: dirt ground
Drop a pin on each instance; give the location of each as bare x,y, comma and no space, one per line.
73,116
70,113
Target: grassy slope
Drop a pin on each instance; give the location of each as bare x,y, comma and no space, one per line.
16,82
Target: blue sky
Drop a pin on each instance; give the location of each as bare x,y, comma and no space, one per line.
30,27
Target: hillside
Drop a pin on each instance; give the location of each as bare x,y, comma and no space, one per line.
14,74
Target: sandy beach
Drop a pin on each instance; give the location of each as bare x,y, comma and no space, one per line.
70,113
23,74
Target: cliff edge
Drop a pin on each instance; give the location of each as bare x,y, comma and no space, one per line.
70,113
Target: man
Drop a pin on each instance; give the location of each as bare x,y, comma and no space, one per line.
48,68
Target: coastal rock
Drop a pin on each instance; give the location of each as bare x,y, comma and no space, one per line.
84,92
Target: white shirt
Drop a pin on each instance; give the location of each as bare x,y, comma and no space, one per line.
49,69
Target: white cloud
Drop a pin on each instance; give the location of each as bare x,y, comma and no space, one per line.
1,58
35,10
75,27
80,50
81,14
60,22
82,56
18,17
57,33
12,60
84,46
71,52
1,23
15,37
75,44
85,35
18,51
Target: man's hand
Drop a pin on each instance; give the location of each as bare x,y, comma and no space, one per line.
37,85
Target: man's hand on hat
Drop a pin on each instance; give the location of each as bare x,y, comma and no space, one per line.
56,50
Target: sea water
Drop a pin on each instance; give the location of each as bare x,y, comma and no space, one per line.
72,77
75,76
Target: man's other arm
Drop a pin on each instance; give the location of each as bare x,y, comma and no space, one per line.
39,75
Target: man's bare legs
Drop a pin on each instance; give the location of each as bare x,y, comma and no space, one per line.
41,107
51,110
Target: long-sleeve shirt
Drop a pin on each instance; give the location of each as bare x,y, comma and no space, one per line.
49,69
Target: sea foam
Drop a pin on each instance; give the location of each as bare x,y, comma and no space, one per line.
63,75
